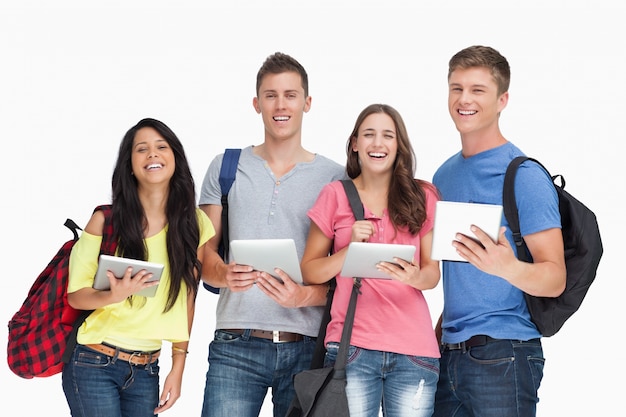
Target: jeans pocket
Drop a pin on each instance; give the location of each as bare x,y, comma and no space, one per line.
92,359
332,349
222,336
426,363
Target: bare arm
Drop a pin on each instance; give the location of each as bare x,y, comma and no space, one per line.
214,271
317,266
172,387
545,277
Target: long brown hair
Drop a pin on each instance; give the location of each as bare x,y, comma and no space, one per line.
406,199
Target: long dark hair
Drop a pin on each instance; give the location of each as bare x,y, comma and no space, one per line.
406,199
129,220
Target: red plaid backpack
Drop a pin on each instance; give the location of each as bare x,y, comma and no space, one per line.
44,328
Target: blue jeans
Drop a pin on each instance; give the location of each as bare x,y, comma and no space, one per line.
499,379
403,385
97,385
242,368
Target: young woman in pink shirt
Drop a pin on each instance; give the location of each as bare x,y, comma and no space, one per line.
393,358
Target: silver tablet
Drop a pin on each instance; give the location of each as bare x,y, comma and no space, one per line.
455,217
118,266
362,258
267,254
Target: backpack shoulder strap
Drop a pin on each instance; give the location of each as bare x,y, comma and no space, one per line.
109,241
510,206
108,246
228,172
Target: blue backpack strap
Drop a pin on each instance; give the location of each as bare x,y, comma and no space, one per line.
228,172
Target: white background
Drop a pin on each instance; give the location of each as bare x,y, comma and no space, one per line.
74,77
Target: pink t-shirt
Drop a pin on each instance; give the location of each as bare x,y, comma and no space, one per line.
390,316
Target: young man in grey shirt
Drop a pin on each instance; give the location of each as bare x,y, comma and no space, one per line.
265,328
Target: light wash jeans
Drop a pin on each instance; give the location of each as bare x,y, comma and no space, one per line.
403,385
499,379
242,368
97,385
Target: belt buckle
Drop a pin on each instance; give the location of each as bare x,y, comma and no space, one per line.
276,336
456,346
453,346
138,357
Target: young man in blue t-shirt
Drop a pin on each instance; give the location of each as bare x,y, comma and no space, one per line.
492,359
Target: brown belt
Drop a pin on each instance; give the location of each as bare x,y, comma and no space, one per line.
273,335
136,358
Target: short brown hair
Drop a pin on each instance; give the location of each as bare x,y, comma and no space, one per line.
487,57
278,63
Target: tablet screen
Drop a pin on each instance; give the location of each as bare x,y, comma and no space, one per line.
118,266
362,258
455,217
267,254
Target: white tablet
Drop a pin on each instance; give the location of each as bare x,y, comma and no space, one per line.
455,217
267,254
118,266
362,258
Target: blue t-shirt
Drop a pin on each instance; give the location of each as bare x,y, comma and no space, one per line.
476,302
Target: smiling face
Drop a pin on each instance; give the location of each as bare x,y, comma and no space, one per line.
152,159
474,102
376,143
282,103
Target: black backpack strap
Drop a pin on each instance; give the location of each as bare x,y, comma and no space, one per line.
510,206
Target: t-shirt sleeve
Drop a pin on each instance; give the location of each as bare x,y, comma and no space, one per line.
210,192
537,200
83,262
431,200
206,227
322,211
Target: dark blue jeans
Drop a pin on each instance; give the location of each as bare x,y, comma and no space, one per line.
499,379
242,368
97,385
